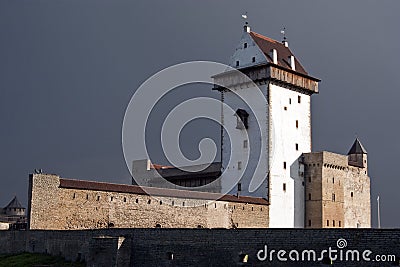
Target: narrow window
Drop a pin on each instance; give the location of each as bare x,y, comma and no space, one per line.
340,223
333,223
160,202
245,45
333,180
351,194
284,108
297,147
309,222
297,124
309,196
149,202
124,199
333,197
173,203
183,204
98,198
239,165
299,99
242,119
284,165
309,179
290,101
215,205
245,143
253,59
327,222
284,187
239,187
170,255
87,197
137,200
111,198
237,63
73,197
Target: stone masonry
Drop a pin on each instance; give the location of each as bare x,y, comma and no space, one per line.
64,204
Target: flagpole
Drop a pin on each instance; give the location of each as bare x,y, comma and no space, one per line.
379,215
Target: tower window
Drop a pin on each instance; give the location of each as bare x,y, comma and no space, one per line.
284,187
253,59
351,194
297,147
297,124
340,223
284,165
333,197
309,179
309,223
309,196
245,144
290,101
242,119
239,187
299,99
237,63
239,165
333,223
333,180
327,222
245,45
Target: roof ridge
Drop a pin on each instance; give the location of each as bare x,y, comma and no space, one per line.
265,37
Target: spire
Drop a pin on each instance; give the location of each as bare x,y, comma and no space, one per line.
284,40
246,26
357,148
14,203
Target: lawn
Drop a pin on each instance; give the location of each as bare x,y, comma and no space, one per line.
32,259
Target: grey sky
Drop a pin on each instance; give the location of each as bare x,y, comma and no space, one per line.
69,68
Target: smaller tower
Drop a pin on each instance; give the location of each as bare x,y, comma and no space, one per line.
357,155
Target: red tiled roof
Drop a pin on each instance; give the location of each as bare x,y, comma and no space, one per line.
162,192
267,44
158,166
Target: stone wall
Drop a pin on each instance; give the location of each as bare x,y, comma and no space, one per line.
207,247
340,193
56,206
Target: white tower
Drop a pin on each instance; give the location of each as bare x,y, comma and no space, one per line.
285,126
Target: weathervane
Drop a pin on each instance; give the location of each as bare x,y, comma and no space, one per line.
244,16
283,34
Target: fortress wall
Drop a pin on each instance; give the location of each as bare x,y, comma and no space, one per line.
201,247
54,207
357,208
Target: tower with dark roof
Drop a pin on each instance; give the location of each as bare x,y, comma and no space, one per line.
357,155
285,125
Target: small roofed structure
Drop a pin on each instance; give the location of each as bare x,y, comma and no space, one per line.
13,213
357,155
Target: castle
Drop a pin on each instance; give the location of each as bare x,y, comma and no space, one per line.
301,189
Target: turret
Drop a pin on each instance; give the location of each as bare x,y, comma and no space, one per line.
357,155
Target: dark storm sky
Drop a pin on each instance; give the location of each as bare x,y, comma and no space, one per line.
69,68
